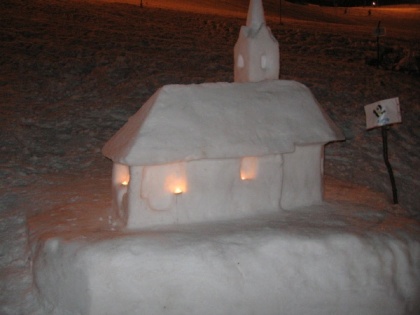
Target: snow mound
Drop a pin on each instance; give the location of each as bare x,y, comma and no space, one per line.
253,266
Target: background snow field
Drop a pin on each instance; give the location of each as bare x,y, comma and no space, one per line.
72,72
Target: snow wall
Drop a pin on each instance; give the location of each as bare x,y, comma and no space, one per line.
244,269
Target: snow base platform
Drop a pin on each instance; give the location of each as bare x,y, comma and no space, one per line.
318,261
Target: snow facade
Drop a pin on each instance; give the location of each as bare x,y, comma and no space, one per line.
206,152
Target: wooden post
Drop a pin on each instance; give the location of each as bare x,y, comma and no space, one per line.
377,42
388,165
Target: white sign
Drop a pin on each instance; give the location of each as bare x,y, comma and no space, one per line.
382,113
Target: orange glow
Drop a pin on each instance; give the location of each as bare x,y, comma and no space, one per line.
178,190
249,168
176,185
176,181
120,175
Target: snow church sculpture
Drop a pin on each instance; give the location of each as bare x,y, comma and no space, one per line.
206,152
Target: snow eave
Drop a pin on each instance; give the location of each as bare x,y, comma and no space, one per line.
132,161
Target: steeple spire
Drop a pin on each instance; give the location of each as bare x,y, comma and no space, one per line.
255,16
256,52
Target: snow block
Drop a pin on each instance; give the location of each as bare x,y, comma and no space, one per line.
242,268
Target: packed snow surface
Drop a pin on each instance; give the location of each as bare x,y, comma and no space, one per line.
72,72
271,265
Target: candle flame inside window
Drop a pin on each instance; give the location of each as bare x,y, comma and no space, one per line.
178,190
249,168
176,179
124,183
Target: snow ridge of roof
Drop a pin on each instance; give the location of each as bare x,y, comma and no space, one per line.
221,120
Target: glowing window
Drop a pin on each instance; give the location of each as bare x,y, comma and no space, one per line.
263,62
249,168
176,179
241,61
121,174
161,182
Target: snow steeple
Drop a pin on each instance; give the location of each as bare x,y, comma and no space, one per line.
256,53
255,16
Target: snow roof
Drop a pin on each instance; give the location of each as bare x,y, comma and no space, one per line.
221,120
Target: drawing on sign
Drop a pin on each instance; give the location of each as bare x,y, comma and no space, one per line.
381,114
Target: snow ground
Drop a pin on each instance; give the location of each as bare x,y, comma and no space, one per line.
72,73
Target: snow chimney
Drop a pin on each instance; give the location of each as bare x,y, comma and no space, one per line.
256,53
